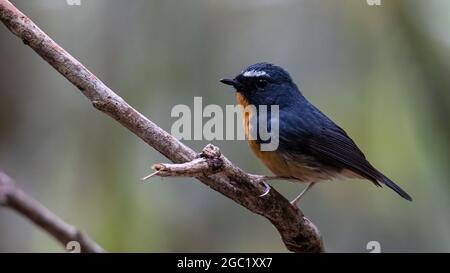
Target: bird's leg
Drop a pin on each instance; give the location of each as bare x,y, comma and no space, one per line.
299,197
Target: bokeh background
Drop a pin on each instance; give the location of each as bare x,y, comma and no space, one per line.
381,72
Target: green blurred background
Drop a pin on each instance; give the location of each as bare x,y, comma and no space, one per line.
381,72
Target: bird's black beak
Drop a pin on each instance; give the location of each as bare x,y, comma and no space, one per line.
229,82
237,85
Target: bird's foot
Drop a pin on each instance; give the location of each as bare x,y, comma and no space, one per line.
267,189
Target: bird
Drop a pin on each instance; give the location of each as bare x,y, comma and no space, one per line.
311,147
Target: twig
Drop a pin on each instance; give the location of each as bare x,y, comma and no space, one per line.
296,231
149,176
210,161
14,198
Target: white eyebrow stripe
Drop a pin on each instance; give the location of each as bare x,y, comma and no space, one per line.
254,73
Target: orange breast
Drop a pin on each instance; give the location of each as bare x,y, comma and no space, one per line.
241,100
271,159
274,160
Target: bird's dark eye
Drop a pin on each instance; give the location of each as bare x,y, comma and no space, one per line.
261,83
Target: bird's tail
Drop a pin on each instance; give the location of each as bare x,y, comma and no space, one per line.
395,187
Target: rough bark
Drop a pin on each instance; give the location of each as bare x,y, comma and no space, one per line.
297,232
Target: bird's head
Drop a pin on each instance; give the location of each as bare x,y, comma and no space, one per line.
264,84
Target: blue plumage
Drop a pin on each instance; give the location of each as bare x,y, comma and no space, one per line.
311,146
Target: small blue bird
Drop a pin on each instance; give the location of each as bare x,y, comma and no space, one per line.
311,148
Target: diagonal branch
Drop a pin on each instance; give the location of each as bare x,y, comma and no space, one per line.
297,232
13,197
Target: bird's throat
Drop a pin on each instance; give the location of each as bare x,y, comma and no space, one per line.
241,100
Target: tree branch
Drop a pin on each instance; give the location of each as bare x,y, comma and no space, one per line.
297,232
209,162
13,197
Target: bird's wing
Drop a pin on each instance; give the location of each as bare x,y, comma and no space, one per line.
332,144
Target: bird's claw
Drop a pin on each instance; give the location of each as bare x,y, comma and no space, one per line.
266,190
